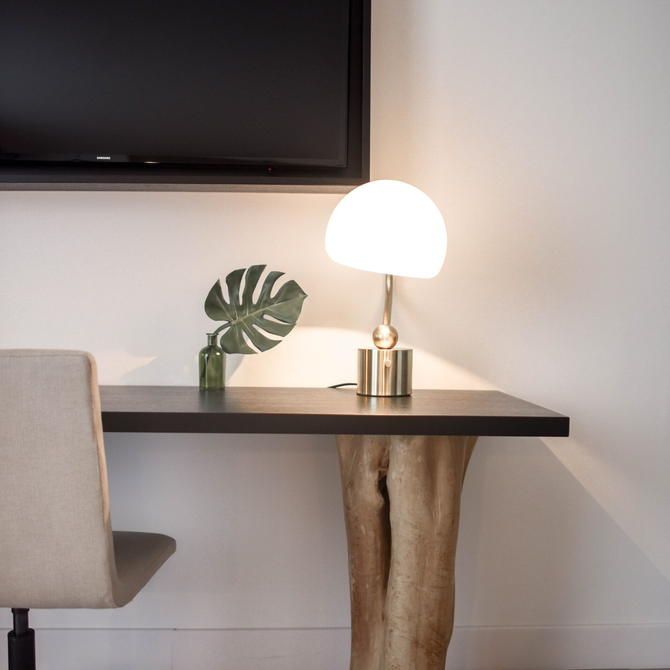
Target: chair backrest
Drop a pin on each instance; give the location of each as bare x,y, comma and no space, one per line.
56,548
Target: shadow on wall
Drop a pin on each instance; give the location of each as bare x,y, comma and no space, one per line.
536,549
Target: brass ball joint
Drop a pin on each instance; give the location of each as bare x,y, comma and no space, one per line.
385,336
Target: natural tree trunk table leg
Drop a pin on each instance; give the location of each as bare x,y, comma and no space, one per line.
402,503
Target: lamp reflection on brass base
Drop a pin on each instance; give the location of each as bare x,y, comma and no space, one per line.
384,372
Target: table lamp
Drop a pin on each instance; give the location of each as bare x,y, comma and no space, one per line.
393,228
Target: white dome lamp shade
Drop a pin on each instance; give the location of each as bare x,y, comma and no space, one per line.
393,228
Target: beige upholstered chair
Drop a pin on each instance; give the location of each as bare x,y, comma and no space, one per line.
57,547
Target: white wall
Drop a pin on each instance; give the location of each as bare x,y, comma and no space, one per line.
541,130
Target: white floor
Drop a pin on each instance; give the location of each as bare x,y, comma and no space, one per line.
480,648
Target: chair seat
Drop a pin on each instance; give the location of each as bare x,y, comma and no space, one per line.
138,556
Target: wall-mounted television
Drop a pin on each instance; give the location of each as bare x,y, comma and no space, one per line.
184,94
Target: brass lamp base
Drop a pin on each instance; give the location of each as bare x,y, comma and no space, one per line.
384,372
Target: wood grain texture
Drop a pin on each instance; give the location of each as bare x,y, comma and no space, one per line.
186,409
402,506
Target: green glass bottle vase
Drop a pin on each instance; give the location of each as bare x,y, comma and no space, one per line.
212,364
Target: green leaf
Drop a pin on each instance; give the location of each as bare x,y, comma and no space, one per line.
272,315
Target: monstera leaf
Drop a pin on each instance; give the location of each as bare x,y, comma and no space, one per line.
275,315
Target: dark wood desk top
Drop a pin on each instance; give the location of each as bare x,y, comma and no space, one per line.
186,409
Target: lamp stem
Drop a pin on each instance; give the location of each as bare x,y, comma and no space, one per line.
388,303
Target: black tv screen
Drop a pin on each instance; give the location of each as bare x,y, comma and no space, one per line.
213,88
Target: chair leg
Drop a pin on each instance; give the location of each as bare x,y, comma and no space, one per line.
21,643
